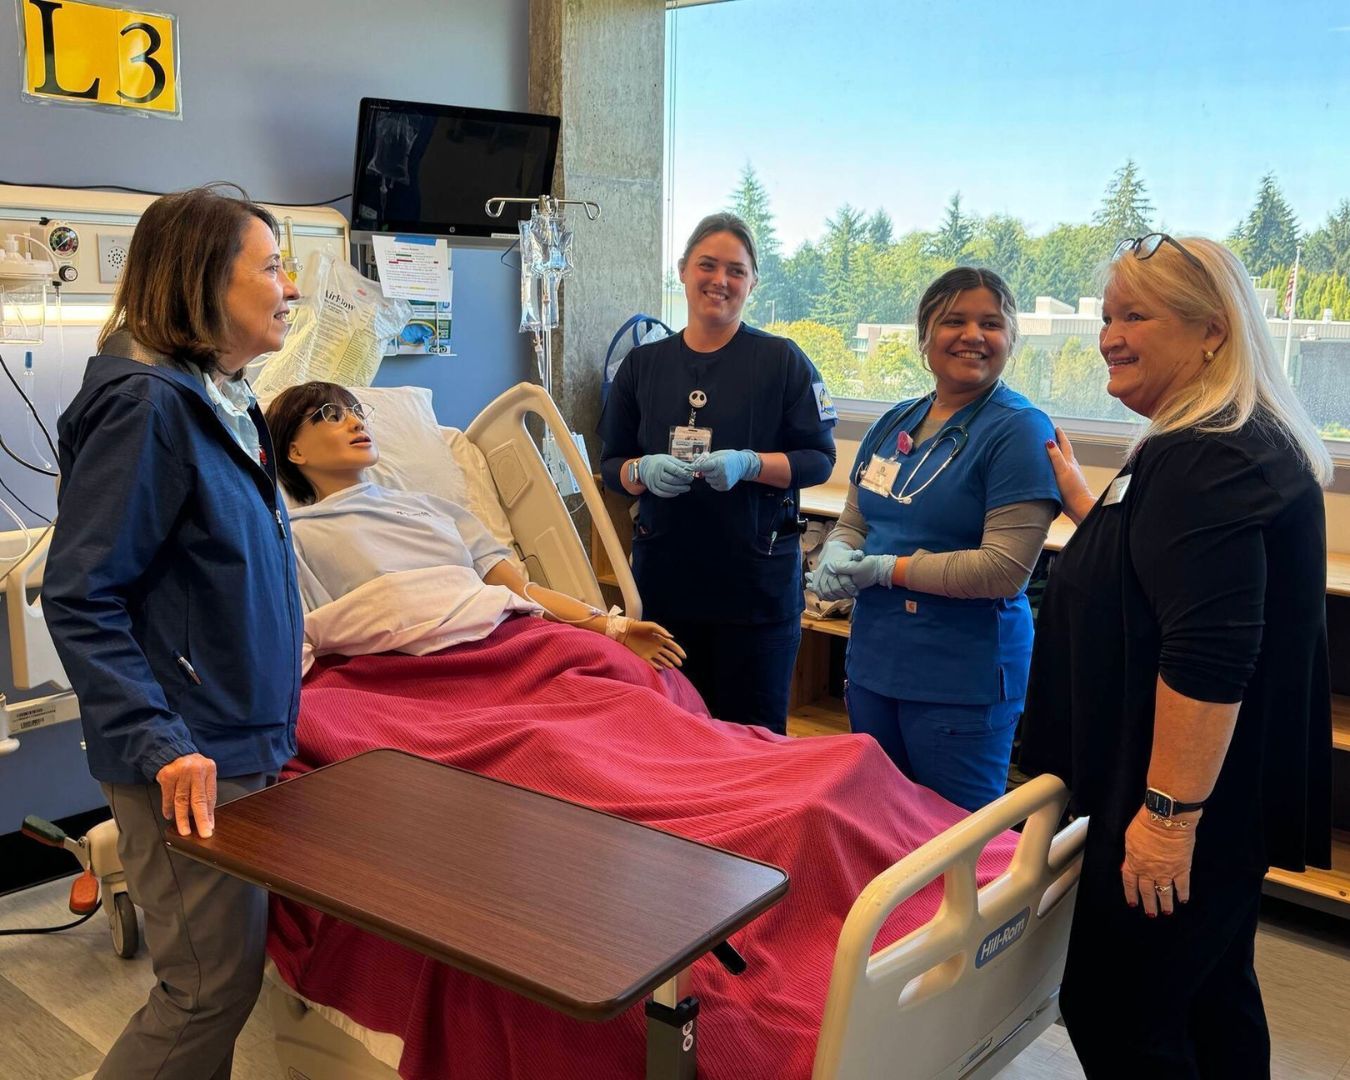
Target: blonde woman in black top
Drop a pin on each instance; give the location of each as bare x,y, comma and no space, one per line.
1179,682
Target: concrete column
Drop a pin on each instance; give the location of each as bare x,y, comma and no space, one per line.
600,65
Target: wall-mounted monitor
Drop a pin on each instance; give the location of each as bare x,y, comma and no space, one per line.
429,169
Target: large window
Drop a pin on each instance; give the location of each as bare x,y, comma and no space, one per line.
873,144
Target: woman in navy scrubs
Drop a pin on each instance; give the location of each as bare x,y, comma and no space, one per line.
716,430
950,503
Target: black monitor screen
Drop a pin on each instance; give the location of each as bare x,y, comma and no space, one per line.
431,168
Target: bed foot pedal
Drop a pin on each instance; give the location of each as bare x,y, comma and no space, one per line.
672,1040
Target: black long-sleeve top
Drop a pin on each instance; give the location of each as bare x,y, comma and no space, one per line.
1209,571
720,556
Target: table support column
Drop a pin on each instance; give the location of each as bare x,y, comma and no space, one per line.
672,1032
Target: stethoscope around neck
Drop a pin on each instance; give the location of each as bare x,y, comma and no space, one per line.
955,434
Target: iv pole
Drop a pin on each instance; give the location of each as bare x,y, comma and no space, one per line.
545,259
553,241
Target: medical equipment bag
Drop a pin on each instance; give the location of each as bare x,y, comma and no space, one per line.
637,330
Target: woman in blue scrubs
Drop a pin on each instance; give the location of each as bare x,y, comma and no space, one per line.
715,430
949,506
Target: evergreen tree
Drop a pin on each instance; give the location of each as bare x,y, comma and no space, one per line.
1328,249
750,202
1125,210
955,233
1269,235
803,282
1001,244
841,302
880,230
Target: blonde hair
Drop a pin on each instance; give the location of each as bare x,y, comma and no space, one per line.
1245,377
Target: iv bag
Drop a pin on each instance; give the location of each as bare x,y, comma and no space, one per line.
529,283
554,245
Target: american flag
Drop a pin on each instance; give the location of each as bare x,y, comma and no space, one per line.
1289,294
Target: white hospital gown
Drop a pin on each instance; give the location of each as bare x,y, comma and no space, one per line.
366,531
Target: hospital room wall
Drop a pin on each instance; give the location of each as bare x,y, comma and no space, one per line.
270,96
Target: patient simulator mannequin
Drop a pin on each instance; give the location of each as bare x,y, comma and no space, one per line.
348,531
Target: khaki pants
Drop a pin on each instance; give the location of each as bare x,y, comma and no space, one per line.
207,936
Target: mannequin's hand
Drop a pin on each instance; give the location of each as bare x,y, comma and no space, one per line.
653,643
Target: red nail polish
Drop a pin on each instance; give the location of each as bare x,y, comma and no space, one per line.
1049,444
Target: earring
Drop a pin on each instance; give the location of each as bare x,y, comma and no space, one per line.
1209,355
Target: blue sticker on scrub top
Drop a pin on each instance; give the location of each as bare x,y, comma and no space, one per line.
824,403
1002,938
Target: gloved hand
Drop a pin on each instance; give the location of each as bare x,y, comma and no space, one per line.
868,570
665,475
824,580
724,469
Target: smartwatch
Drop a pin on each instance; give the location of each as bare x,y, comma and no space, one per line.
1162,804
633,471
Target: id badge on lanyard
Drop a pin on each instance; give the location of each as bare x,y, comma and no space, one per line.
687,441
879,476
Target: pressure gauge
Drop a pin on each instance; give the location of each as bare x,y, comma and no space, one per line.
64,241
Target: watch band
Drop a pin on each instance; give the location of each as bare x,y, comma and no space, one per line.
1162,804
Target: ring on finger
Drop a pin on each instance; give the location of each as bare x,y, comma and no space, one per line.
1162,889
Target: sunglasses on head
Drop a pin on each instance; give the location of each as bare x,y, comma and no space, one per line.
1145,247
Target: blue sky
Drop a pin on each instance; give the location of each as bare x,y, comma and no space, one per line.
1026,108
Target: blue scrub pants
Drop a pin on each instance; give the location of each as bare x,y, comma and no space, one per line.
743,672
960,751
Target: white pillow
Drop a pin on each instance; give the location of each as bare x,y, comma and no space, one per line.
413,456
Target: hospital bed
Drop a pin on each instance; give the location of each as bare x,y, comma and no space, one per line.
958,997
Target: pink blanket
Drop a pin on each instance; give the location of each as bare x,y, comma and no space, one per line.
569,713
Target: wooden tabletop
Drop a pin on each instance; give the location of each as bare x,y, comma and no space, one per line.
577,909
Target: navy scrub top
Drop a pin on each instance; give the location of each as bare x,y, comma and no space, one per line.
919,647
733,556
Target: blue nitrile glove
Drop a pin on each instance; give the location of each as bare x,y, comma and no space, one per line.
824,580
868,570
665,475
724,469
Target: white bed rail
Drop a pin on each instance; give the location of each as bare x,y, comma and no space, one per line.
543,529
963,994
32,654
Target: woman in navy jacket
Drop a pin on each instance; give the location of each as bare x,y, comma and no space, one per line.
171,596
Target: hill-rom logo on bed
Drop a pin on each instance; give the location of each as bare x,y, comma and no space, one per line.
1005,936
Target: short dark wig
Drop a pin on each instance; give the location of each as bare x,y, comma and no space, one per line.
291,409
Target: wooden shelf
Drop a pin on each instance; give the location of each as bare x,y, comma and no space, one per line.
834,627
1327,885
1340,721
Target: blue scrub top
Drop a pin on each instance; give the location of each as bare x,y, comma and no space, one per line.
919,647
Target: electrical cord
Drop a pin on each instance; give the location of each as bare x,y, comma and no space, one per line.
45,434
146,191
53,929
41,517
31,407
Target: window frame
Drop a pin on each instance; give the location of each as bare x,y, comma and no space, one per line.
1096,442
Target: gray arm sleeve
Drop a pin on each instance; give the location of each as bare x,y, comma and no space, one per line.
851,528
999,567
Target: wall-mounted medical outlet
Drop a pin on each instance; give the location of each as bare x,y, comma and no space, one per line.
112,256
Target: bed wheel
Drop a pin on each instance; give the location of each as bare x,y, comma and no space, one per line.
126,931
